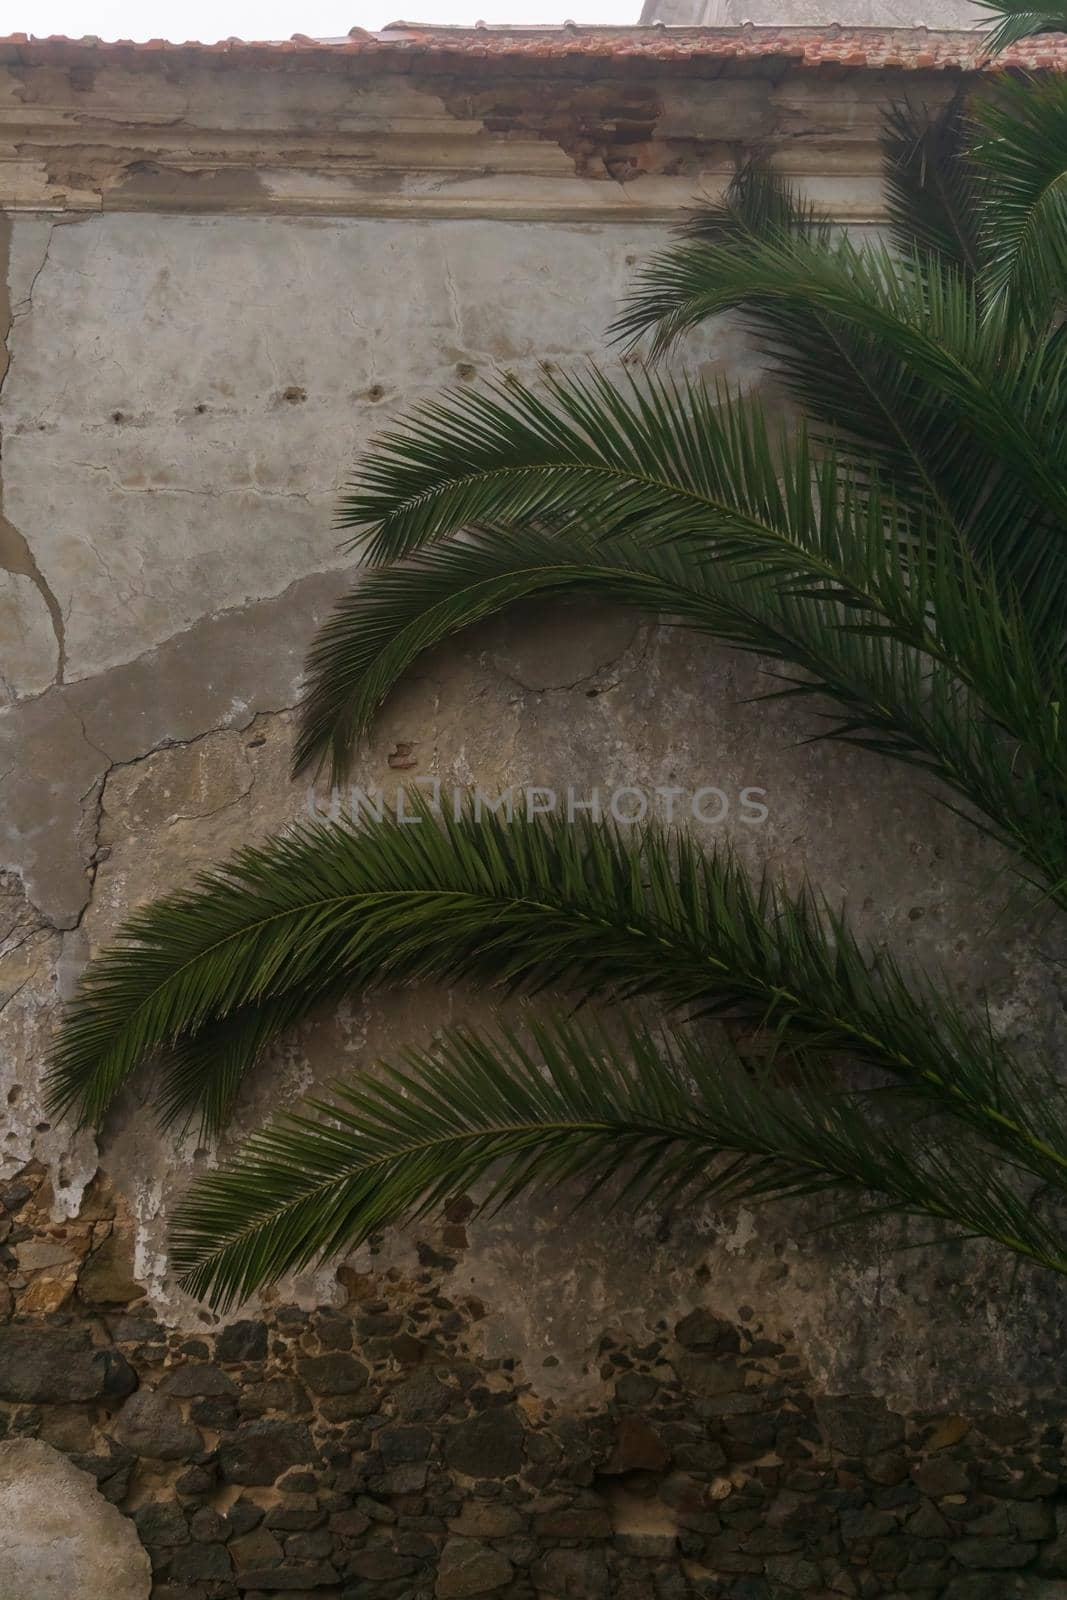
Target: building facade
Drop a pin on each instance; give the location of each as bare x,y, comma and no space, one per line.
222,270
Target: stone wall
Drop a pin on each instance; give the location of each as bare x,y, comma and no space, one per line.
222,276
369,1448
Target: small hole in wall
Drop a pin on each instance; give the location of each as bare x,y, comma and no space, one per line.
591,694
200,409
43,1127
118,416
14,1094
294,394
465,371
375,392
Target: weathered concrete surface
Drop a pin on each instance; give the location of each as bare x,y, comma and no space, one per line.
59,1537
121,470
182,398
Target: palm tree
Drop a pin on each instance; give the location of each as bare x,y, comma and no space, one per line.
901,556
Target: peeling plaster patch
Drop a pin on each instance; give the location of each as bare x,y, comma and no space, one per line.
58,1534
607,129
16,557
62,745
27,1015
47,796
181,784
29,656
741,1233
224,188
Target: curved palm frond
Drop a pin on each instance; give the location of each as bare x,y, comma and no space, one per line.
202,1070
758,203
1018,19
523,903
659,460
932,194
923,660
1022,153
649,461
654,454
898,355
659,1119
923,314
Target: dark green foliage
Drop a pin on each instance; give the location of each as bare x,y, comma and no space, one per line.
1015,20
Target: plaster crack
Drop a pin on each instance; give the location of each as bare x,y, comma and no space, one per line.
17,990
593,673
98,788
453,297
25,305
197,494
16,556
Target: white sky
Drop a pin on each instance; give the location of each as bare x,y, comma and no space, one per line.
209,20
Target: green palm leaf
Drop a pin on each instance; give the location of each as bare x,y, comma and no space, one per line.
926,664
932,193
658,1119
1022,151
652,454
523,903
1017,19
923,313
894,353
202,1070
647,461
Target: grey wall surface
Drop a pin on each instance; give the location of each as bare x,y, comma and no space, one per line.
215,290
183,397
815,13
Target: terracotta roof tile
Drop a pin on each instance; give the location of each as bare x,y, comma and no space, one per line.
869,49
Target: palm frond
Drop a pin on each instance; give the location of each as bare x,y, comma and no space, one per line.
896,356
1018,19
758,203
202,1071
755,543
1021,152
930,185
654,460
927,318
614,454
924,659
659,1119
524,903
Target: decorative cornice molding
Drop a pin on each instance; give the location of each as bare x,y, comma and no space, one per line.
433,134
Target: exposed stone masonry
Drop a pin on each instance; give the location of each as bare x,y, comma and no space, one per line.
359,1453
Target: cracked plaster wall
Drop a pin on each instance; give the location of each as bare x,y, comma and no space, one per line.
181,398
